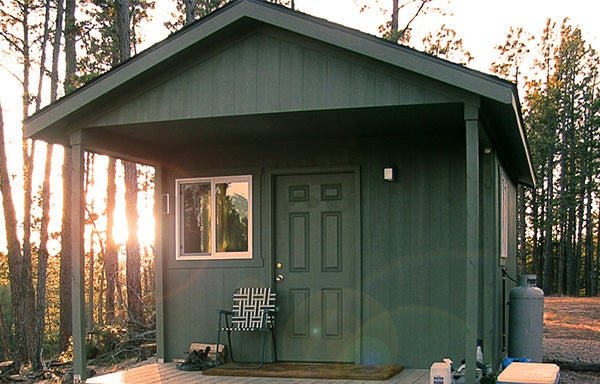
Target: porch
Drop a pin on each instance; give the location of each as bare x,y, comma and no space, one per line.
159,373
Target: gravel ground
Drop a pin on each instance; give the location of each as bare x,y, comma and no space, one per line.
574,351
572,337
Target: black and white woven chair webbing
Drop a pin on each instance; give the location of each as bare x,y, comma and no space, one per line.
251,308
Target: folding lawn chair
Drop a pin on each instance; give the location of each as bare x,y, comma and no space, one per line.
253,311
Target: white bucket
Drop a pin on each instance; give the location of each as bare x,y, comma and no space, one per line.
440,373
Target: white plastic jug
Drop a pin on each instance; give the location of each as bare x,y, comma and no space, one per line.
440,373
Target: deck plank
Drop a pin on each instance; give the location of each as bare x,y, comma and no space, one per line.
162,373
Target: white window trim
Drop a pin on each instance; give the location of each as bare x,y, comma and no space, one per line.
213,255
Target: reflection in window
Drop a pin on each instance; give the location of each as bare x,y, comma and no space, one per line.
232,216
196,217
214,218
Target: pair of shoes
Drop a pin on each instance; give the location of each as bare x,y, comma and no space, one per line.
197,360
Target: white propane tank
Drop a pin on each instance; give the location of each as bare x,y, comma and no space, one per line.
440,373
526,322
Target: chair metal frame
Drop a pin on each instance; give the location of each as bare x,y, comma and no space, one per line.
253,311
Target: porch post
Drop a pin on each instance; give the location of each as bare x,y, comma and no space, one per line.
160,211
77,257
472,242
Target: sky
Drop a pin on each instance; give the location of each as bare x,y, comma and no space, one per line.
482,24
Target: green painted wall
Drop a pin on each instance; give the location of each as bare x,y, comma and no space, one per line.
413,243
270,72
414,252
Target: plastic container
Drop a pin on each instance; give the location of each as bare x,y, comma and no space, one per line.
440,373
530,373
509,360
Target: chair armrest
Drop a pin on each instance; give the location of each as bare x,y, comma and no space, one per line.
224,312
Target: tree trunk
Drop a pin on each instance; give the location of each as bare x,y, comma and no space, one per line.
134,286
588,246
70,51
595,282
190,11
110,257
395,10
578,236
90,324
123,29
56,49
120,305
548,274
42,267
89,182
27,297
43,45
66,312
100,304
522,230
14,250
536,247
562,215
43,253
4,348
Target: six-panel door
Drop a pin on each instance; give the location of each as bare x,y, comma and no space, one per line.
315,267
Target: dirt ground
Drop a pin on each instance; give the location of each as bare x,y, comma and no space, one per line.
572,337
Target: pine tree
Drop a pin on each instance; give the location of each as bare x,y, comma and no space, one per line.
559,112
446,45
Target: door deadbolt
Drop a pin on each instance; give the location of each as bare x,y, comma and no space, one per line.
279,265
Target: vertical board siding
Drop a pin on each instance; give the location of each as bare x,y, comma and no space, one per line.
201,103
415,238
246,69
262,74
223,69
268,75
338,83
362,90
387,89
177,98
291,74
314,80
440,215
414,310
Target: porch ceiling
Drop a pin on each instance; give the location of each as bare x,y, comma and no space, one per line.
164,139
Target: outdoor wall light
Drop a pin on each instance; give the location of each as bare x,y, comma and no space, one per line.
389,174
166,204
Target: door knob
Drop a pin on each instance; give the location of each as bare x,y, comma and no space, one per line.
279,278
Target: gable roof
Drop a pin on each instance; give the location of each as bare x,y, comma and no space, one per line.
55,122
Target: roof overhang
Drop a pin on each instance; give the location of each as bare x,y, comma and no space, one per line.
56,122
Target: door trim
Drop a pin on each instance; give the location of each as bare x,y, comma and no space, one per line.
268,227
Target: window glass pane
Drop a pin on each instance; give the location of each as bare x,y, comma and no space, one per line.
195,213
232,216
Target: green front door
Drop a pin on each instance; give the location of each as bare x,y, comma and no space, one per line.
315,267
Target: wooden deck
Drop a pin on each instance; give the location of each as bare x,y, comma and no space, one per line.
157,373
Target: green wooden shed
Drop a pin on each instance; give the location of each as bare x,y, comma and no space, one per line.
371,185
